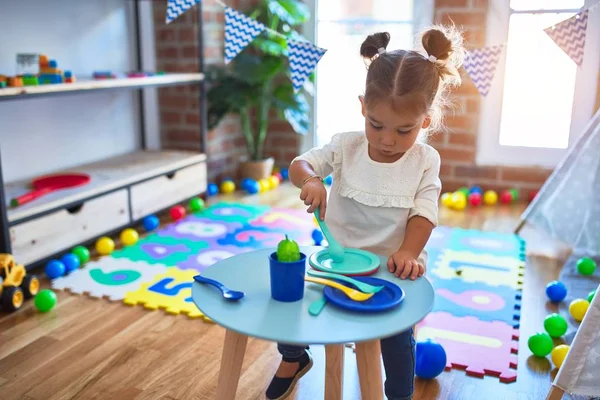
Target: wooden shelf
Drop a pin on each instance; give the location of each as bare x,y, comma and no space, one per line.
106,175
79,86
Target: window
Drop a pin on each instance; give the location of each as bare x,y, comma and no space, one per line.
540,100
342,25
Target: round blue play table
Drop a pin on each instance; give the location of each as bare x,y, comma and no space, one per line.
258,315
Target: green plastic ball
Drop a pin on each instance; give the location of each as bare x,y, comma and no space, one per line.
45,300
82,253
540,344
591,296
515,194
586,266
196,204
464,190
556,325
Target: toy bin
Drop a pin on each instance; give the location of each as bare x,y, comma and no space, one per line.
287,278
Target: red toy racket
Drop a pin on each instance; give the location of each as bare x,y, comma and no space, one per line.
49,184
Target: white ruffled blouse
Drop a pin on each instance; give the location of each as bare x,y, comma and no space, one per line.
371,202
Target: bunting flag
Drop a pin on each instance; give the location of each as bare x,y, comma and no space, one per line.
240,30
177,7
481,64
303,57
569,35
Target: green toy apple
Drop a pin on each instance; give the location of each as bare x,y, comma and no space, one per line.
288,250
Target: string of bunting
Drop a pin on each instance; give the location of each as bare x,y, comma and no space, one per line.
569,35
480,64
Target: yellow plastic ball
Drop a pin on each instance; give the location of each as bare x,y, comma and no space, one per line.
105,245
227,187
459,201
273,182
447,200
264,185
129,237
578,308
558,354
490,198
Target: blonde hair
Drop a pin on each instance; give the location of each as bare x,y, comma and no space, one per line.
426,78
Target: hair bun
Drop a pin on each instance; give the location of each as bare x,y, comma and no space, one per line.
445,43
370,47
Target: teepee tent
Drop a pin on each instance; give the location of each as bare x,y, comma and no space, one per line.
579,374
568,206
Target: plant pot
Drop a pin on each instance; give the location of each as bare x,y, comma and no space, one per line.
257,170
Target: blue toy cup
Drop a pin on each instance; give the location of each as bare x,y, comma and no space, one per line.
287,278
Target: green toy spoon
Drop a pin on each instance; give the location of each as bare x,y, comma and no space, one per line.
317,306
363,287
335,249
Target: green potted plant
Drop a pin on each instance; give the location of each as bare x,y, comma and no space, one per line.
256,84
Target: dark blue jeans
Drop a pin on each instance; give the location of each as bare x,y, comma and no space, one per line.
398,353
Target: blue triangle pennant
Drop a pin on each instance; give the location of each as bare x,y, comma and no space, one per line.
481,64
569,35
240,30
303,57
177,7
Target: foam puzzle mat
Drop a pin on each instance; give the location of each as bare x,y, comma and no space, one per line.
157,272
478,279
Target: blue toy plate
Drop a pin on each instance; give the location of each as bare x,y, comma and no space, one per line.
389,297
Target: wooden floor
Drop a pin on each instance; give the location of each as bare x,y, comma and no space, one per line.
94,349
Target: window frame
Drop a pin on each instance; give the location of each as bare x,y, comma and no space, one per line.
489,150
423,14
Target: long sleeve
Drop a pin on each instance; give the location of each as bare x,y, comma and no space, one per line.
323,159
428,193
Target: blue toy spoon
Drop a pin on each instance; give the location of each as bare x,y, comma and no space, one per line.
227,293
335,249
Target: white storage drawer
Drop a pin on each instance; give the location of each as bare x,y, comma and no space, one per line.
61,230
159,193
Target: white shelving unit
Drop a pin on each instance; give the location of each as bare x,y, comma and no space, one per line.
123,189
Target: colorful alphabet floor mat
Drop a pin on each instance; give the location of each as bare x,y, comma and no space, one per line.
478,277
157,272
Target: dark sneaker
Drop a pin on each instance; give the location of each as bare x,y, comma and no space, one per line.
280,388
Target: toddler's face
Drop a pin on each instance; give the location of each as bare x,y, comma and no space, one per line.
391,131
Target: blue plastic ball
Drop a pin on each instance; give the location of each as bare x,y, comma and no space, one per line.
328,180
556,291
55,269
476,189
71,262
150,222
212,189
244,183
317,236
284,174
431,359
252,187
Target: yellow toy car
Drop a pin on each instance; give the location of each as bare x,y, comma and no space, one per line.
15,284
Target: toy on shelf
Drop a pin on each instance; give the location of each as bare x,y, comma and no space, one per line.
151,222
129,237
430,359
45,300
105,246
55,269
177,212
104,75
15,284
556,291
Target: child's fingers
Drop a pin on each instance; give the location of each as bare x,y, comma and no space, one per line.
313,206
322,209
390,264
400,265
416,271
408,268
309,199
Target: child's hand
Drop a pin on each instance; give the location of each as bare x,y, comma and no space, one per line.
403,264
314,195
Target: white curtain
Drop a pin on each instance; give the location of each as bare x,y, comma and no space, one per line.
568,204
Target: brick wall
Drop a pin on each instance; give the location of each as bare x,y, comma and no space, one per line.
177,51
